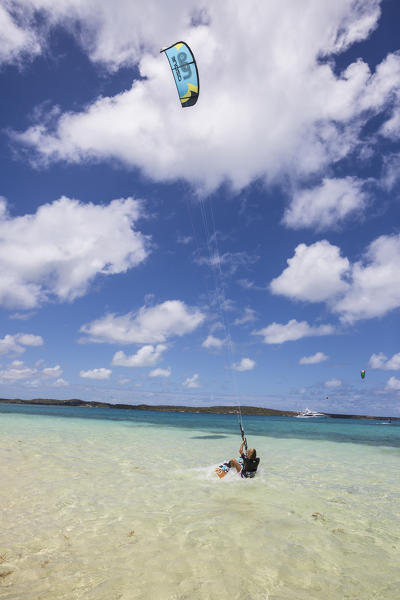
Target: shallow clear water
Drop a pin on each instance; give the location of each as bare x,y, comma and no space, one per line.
109,504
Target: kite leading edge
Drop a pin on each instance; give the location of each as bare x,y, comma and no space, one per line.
184,69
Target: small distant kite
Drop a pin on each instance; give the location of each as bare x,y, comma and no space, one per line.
184,69
362,373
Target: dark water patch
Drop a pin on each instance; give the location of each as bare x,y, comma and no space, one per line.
208,437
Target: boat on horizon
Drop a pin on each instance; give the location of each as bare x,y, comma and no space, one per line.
309,413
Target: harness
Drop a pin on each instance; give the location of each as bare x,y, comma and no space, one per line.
250,466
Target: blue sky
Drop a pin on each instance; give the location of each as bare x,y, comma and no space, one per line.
246,249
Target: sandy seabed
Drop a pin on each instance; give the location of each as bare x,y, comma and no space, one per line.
105,510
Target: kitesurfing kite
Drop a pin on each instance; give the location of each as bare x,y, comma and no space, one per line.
362,373
184,69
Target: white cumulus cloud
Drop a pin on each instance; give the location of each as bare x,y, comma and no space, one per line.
114,34
28,339
17,371
192,382
249,316
327,205
57,251
150,324
17,343
213,342
314,359
52,372
278,333
146,356
292,113
315,273
370,287
246,364
381,361
393,384
375,282
160,372
100,373
17,38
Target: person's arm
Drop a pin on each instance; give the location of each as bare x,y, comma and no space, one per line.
241,448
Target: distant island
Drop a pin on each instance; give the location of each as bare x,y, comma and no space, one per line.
223,410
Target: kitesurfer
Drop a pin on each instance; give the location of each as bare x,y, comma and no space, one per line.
248,462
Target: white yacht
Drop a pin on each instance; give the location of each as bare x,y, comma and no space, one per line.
309,413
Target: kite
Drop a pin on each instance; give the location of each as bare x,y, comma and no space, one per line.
362,373
184,69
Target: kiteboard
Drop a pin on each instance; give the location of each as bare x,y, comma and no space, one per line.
222,470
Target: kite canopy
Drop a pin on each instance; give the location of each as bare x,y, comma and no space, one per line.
362,373
184,69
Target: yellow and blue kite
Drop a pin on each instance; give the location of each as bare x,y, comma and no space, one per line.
184,69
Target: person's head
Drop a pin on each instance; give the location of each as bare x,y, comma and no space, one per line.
251,453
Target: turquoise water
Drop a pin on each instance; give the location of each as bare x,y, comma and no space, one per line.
358,431
111,504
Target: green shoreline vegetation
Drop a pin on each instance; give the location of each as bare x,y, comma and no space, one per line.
225,410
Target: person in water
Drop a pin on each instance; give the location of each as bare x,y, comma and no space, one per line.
248,462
